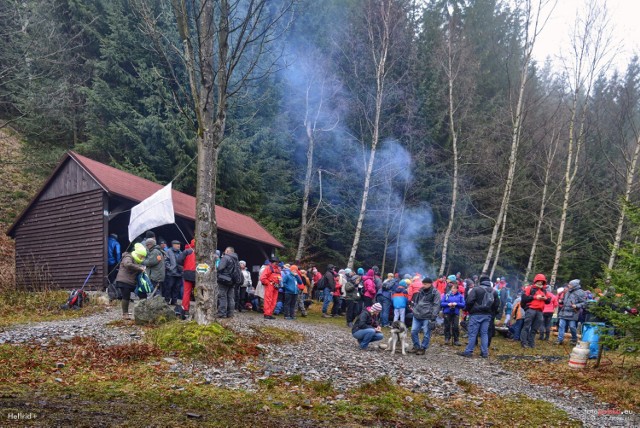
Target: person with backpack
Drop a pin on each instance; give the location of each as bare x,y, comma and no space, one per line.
482,304
155,263
451,304
572,300
290,286
303,289
113,257
229,277
173,276
327,285
533,300
130,267
517,314
426,306
270,279
352,296
383,296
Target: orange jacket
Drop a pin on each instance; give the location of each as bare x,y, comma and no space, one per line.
271,276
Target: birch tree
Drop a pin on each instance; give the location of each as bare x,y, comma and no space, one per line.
589,46
320,88
458,72
383,21
534,15
222,43
629,99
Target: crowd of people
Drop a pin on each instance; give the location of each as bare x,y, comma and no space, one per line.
476,305
368,302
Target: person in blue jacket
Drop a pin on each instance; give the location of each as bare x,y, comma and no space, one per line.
113,257
451,304
290,286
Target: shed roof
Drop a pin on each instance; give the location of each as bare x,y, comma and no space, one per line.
129,186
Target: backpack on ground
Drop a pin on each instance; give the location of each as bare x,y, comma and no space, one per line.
77,298
487,301
113,292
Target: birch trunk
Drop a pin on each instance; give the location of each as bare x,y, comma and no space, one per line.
304,227
379,55
573,151
631,171
499,248
532,28
513,155
541,213
454,147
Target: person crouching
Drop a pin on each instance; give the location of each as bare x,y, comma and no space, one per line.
365,328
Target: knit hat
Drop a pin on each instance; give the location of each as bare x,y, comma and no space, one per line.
574,283
377,307
404,283
427,280
451,278
360,271
242,262
347,271
294,268
150,242
139,253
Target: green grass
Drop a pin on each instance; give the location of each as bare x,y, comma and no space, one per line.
19,307
204,342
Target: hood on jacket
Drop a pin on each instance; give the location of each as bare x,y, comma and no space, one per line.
540,277
191,245
370,273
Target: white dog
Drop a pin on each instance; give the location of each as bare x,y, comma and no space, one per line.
398,333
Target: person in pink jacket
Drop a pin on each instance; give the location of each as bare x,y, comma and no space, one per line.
547,316
369,288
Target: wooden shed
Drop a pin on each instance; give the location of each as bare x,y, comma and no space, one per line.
63,231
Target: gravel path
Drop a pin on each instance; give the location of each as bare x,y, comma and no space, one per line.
330,353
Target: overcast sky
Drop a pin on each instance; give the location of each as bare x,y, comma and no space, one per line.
624,17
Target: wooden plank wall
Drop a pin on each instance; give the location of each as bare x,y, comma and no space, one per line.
71,179
60,239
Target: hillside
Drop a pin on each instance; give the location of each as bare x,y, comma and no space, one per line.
17,186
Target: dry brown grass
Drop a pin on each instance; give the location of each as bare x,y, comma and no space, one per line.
17,187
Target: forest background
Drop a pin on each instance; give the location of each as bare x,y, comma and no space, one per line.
473,156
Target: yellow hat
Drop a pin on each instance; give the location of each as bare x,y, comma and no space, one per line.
139,253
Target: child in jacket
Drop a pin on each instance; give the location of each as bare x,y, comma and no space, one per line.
400,300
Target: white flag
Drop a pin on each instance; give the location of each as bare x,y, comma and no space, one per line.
154,211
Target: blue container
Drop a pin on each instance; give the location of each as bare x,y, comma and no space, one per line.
591,333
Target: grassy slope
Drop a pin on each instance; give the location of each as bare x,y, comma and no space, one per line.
17,186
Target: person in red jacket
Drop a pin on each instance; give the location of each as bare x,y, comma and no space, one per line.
534,298
270,278
188,275
547,314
